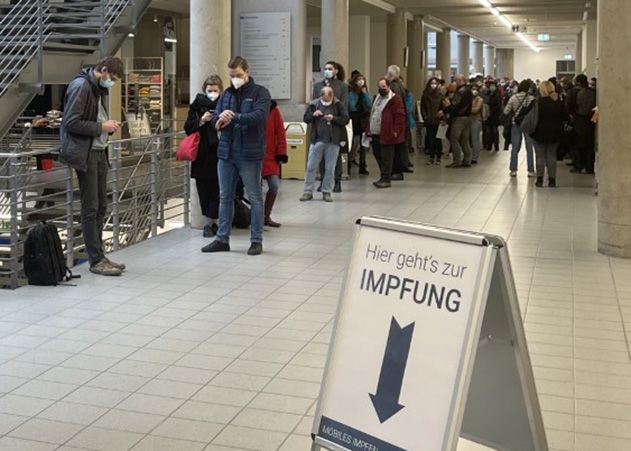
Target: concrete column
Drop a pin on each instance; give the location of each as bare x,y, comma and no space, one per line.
579,52
293,108
464,43
397,39
417,69
589,52
489,61
210,56
478,57
443,54
505,63
359,58
335,33
614,133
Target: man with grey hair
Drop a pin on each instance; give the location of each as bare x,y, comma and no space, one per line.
459,110
401,157
328,118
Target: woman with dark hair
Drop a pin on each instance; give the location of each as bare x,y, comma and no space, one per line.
494,101
516,108
359,105
431,110
204,169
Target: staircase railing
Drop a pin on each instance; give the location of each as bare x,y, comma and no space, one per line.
22,39
148,190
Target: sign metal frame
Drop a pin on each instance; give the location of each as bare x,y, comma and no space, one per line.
495,263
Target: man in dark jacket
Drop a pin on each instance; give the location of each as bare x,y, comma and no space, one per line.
240,116
85,131
459,110
401,154
581,102
328,118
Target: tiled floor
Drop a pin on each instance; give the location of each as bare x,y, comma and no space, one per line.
225,352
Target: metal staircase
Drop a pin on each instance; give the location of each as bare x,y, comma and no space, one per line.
48,41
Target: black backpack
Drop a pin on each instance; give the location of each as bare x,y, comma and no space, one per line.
44,261
242,214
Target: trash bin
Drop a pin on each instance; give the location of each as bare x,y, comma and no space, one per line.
297,151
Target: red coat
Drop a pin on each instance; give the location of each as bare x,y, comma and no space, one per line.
276,142
393,122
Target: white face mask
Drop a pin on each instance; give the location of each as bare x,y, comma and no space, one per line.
237,82
326,103
361,83
433,86
212,95
474,92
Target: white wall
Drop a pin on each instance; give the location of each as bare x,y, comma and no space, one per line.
542,65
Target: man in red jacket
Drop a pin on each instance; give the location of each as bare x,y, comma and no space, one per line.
275,155
388,120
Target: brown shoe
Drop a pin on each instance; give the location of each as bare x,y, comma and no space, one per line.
104,268
120,266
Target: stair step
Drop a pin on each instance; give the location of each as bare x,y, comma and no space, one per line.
69,47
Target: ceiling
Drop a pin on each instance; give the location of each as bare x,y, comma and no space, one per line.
561,19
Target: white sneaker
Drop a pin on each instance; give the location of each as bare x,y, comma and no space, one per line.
531,174
513,173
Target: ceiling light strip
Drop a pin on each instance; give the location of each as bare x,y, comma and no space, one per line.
508,24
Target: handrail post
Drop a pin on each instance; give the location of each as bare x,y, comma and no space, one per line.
103,25
40,45
69,218
13,198
115,197
154,187
187,193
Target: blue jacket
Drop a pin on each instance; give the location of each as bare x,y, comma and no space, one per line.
409,106
251,106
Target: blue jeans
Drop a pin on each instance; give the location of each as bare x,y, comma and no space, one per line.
273,183
229,172
316,152
516,137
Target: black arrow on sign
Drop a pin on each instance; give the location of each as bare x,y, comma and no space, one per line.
386,400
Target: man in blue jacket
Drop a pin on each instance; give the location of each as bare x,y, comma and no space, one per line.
240,116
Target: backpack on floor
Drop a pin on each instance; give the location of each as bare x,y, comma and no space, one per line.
44,261
242,215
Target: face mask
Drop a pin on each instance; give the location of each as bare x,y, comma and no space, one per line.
106,83
383,92
237,82
361,83
474,92
493,88
212,95
328,74
433,86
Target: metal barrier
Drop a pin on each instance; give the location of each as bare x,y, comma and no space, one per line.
149,193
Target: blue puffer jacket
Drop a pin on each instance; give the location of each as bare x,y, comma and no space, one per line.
251,106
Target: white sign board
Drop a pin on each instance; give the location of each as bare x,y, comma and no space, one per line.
405,339
266,44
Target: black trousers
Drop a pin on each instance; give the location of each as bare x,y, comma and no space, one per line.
490,136
384,154
93,192
434,145
586,132
208,192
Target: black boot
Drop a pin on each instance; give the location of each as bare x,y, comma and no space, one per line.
338,187
552,182
270,198
539,182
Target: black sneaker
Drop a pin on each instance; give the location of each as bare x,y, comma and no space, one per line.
396,177
337,188
363,171
474,161
255,249
382,184
216,246
208,230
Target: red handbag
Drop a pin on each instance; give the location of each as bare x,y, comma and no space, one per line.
188,148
